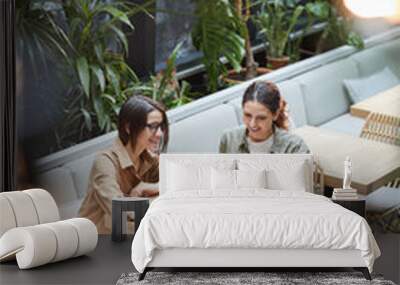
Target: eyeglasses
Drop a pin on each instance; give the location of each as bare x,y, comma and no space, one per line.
153,128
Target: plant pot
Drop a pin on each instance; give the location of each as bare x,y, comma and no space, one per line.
234,78
277,62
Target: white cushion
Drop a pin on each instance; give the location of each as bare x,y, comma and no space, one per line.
40,244
230,180
87,235
293,180
376,58
80,170
291,92
45,205
201,132
183,174
23,208
251,178
223,179
284,172
360,89
32,246
7,220
67,240
58,181
183,177
323,90
70,210
346,123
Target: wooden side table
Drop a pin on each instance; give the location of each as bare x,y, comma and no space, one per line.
356,206
139,205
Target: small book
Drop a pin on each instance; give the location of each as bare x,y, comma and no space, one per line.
338,197
346,198
345,194
340,190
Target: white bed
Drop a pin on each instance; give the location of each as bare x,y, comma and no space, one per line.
220,211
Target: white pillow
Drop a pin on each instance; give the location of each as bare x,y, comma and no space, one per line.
284,172
293,180
183,177
360,89
225,179
185,174
251,178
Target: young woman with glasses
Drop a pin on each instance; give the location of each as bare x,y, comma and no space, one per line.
133,158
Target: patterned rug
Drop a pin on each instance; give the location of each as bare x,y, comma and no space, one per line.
273,278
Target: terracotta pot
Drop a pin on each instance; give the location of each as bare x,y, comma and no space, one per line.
277,62
234,78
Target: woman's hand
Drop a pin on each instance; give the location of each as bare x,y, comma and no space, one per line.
149,193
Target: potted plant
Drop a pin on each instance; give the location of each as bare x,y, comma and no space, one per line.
276,20
216,34
165,87
251,68
92,34
338,29
221,31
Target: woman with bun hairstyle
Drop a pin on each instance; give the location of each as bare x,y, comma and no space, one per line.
132,159
266,124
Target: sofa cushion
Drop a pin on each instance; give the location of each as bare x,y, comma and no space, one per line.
201,132
80,170
360,89
346,123
291,92
58,181
70,209
323,90
376,58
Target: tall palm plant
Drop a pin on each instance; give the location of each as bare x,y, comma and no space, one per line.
217,33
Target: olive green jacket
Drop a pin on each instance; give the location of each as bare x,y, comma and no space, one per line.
234,141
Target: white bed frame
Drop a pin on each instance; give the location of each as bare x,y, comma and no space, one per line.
250,258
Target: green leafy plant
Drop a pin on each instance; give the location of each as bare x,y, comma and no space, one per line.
338,30
244,14
94,37
217,33
165,87
276,20
36,40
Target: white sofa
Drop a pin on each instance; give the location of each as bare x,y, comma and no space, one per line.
313,89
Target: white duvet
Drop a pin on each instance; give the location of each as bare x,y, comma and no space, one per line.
250,219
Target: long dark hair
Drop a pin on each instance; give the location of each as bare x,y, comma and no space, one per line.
267,93
133,114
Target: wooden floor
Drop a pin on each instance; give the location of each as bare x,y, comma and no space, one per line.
110,260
